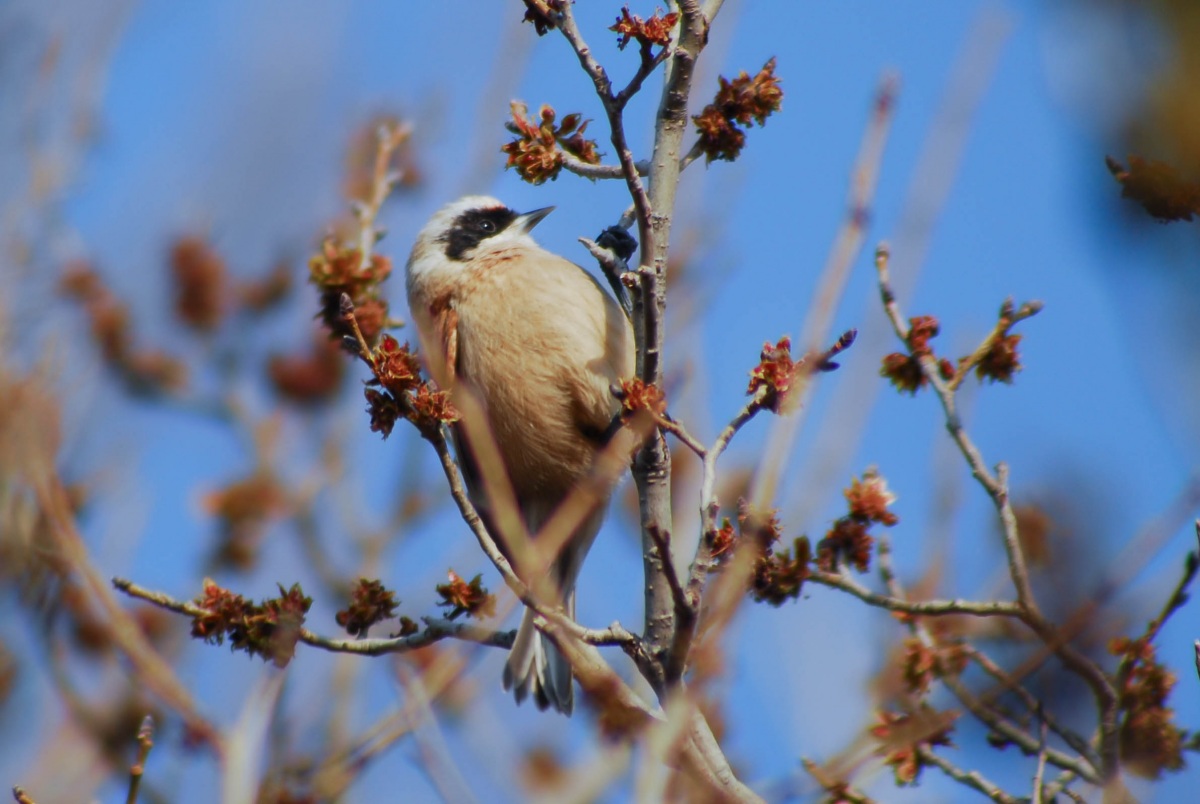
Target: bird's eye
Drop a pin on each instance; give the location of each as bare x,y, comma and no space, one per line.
487,226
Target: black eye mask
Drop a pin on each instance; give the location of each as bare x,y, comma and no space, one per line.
473,227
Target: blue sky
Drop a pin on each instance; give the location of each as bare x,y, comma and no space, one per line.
232,119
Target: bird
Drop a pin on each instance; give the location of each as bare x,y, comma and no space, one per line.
541,345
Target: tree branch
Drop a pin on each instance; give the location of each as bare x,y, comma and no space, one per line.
972,779
997,489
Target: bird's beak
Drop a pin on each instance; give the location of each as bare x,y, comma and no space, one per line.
531,219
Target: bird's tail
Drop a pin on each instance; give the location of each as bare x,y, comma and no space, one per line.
535,667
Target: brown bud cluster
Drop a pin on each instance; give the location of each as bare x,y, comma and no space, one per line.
739,104
777,374
536,153
310,378
1149,740
1001,361
143,371
269,629
339,269
903,735
242,509
780,576
463,597
260,295
848,539
638,396
904,370
654,31
922,664
372,603
777,575
405,395
773,375
543,14
200,291
1162,190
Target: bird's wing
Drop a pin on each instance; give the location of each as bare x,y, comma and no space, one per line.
445,330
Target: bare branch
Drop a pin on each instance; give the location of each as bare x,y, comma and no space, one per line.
1040,774
710,506
589,171
996,487
390,137
972,779
151,668
925,608
1084,768
1075,741
436,629
1176,600
145,741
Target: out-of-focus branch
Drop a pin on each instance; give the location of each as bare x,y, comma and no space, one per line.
391,137
700,752
843,253
838,789
151,669
613,635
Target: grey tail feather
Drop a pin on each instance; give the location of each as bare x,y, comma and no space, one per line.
536,667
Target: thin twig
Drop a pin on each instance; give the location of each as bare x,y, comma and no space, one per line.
997,489
972,779
925,608
677,429
614,635
1008,317
1075,741
1083,767
390,137
436,629
1176,601
614,268
589,171
1059,785
710,506
145,741
1040,774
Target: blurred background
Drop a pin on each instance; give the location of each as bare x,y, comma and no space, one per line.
146,145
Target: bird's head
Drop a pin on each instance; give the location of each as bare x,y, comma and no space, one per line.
465,230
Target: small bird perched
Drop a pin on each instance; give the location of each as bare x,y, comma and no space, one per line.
540,344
